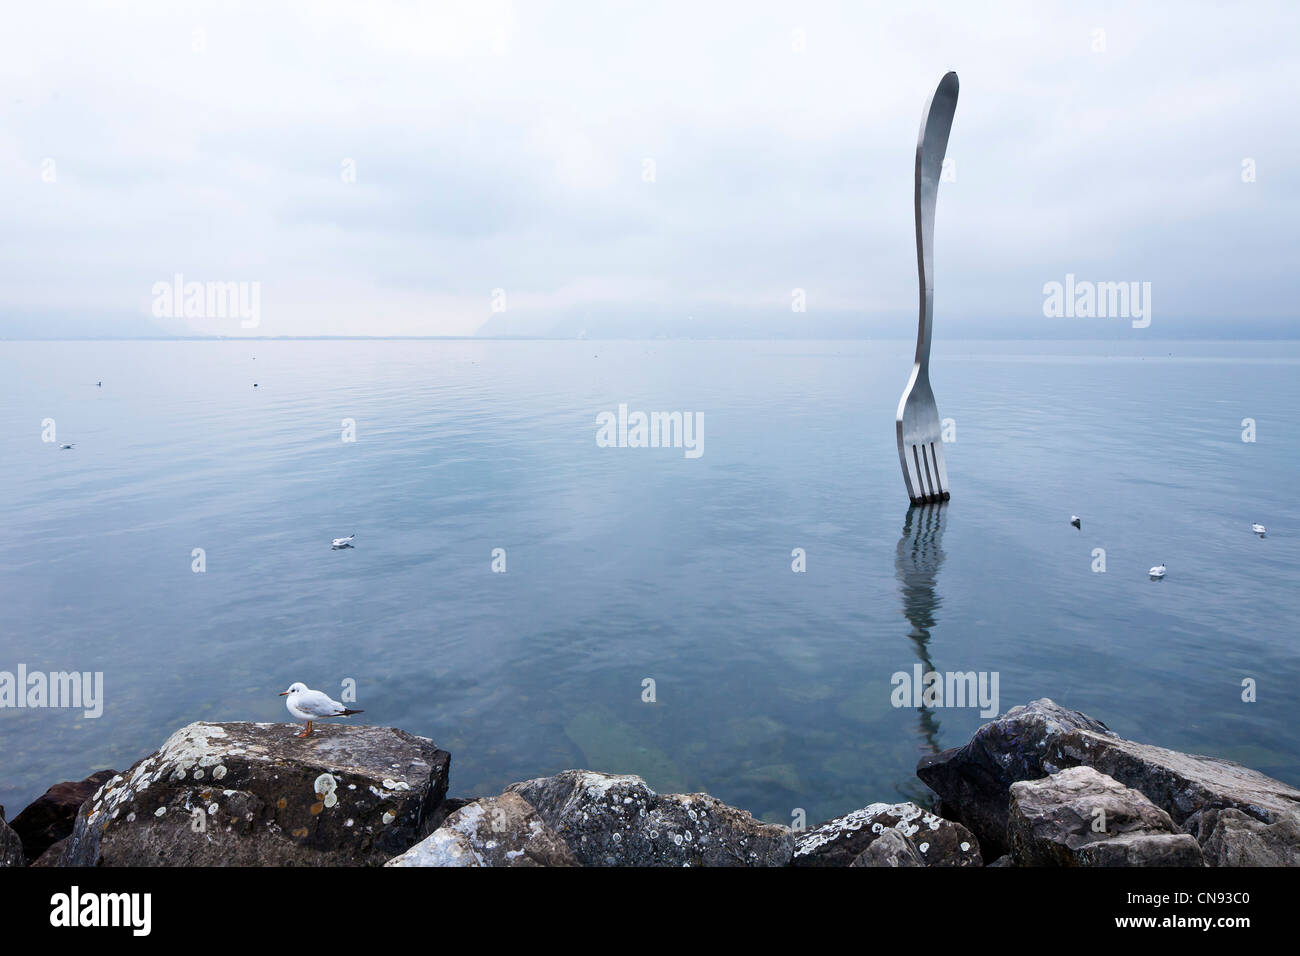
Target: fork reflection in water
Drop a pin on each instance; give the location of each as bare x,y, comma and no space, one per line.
916,563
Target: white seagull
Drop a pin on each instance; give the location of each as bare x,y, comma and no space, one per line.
1158,571
343,542
312,705
1075,520
1259,529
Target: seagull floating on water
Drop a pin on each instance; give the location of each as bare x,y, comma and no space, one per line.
1259,529
68,445
342,542
312,705
1076,521
1158,571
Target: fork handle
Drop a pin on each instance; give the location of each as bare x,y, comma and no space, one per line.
931,145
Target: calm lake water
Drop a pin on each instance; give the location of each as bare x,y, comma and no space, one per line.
772,687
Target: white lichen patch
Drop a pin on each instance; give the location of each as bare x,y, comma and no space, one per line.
596,785
325,785
219,773
878,816
389,817
160,811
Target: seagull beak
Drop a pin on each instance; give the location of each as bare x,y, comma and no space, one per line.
284,693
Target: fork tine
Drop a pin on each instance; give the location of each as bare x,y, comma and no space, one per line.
915,488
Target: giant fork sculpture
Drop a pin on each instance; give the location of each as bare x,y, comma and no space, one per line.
920,443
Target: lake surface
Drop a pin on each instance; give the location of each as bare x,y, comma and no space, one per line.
772,688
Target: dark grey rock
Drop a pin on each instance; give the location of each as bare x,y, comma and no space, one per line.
1042,738
839,842
494,831
616,820
1143,849
52,856
891,848
49,818
1230,837
445,809
11,845
1061,819
241,794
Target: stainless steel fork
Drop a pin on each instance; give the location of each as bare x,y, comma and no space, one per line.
920,442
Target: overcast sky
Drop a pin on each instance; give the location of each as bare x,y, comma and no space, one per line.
505,146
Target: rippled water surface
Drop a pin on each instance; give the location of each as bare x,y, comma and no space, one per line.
773,688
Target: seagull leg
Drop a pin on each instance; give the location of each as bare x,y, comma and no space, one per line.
306,730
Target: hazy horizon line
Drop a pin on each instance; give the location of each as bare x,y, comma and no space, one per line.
635,338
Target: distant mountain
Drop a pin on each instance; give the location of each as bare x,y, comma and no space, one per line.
72,325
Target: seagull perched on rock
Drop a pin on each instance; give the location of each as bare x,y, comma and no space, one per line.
1076,521
343,542
1158,571
312,705
1259,529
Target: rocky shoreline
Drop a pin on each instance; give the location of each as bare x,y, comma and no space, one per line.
1039,786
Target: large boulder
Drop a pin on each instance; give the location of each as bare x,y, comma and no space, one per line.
241,794
1042,738
1230,837
11,845
494,831
839,842
49,818
616,820
1080,817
